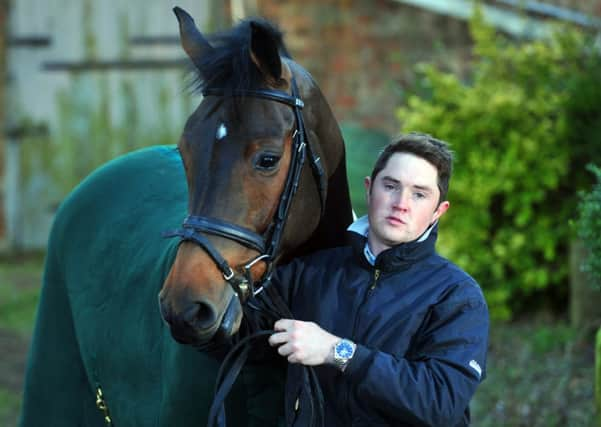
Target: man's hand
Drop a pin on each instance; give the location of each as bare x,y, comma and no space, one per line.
303,342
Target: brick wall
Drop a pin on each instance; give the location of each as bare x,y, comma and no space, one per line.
362,52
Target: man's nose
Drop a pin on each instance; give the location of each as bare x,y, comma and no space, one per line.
401,200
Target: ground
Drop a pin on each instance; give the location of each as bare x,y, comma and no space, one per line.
540,371
540,374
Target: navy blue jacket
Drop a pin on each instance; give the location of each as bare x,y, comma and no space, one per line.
421,328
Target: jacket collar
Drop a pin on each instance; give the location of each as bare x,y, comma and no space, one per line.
399,257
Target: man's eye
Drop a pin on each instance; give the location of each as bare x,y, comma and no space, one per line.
267,161
389,187
419,195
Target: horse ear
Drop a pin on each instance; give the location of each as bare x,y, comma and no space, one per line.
192,40
265,51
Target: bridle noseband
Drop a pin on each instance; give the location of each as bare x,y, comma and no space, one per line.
268,243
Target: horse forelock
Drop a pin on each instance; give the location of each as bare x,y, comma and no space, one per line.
228,65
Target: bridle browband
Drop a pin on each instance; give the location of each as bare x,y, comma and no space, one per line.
267,244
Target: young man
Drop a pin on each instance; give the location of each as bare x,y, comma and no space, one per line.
397,333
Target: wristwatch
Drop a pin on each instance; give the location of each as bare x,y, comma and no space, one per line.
344,351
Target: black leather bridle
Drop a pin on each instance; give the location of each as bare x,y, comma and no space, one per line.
268,243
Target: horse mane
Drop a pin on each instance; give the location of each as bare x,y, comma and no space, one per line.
228,65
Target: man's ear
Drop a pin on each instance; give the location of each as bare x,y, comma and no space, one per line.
367,183
440,210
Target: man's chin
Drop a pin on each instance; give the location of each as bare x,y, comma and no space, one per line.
390,238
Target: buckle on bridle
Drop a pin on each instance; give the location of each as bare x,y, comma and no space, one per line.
229,275
247,273
244,285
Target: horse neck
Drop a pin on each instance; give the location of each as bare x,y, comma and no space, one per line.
331,230
326,139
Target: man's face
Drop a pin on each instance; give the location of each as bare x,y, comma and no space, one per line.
402,201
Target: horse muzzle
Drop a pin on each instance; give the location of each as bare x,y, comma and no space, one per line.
201,322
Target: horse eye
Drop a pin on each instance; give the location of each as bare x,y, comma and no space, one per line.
267,161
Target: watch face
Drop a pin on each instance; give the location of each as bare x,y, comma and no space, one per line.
344,350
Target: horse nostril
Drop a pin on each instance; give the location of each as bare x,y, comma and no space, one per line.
201,315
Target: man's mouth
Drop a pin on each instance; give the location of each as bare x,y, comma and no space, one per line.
394,220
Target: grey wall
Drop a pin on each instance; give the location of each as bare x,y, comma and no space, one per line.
98,94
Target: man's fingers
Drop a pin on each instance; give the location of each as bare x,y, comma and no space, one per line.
278,338
285,350
288,351
283,324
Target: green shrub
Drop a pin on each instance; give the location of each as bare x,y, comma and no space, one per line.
522,130
589,227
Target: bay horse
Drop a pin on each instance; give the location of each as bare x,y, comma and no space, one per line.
103,351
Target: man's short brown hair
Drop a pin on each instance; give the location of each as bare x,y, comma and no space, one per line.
433,150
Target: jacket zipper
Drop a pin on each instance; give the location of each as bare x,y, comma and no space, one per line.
375,282
370,290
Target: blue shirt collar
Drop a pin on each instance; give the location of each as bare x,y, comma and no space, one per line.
361,227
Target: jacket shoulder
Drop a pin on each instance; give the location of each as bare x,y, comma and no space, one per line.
461,286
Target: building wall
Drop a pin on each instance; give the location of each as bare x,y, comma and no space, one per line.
84,94
363,52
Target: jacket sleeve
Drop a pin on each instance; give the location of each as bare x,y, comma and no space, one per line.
433,384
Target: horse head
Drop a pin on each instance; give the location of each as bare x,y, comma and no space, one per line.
265,168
